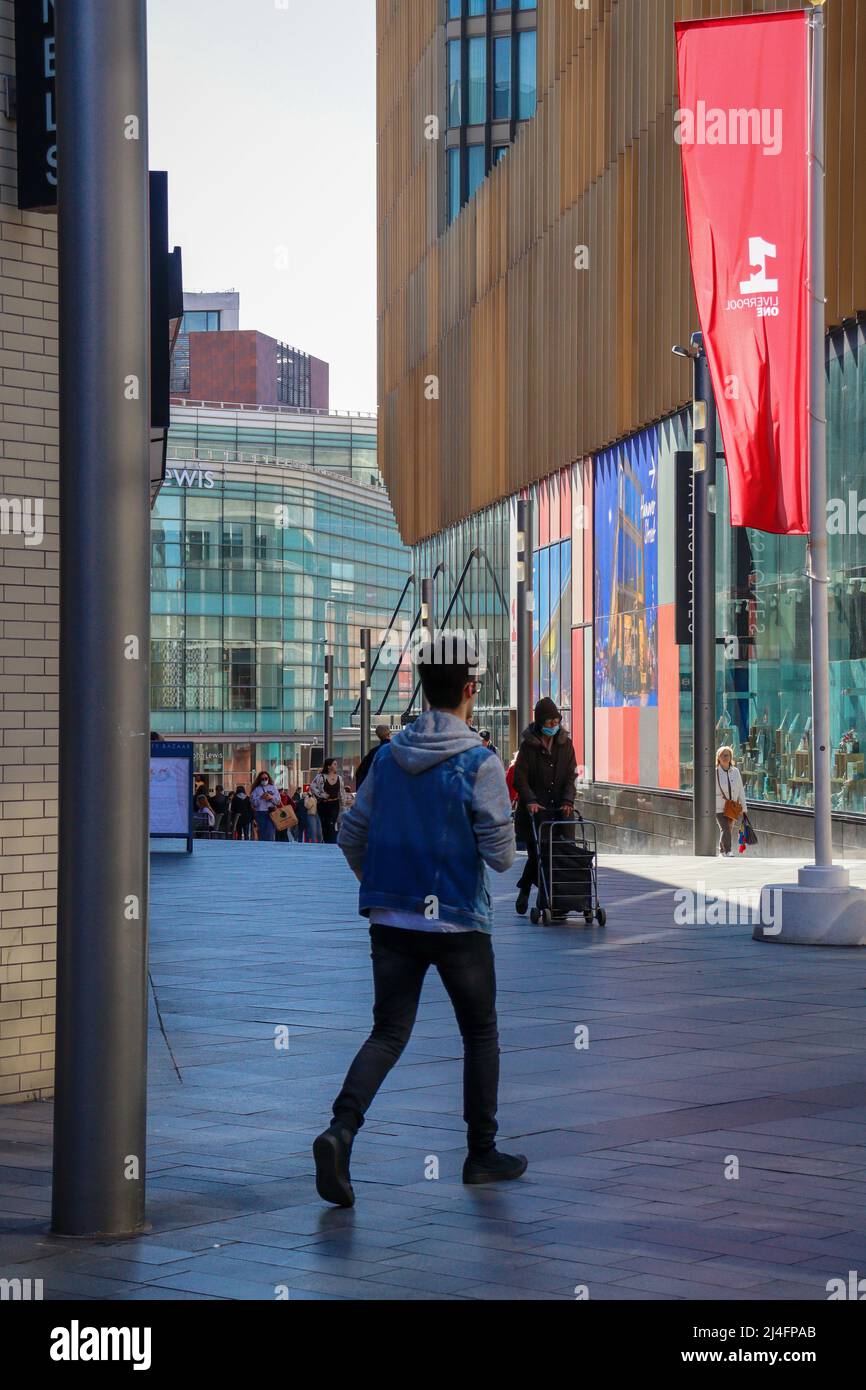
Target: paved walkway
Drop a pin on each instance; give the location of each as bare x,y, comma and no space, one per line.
708,1055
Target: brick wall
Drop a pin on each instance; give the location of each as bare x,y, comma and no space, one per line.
28,628
224,367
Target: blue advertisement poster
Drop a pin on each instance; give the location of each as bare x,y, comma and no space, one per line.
626,574
552,625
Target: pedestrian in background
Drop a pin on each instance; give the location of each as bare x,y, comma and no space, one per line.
314,825
544,781
383,734
327,788
203,818
300,810
488,742
220,807
730,799
265,798
241,813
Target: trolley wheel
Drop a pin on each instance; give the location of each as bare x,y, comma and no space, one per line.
547,917
587,917
601,917
535,917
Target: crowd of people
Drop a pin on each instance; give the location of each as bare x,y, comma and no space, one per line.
309,813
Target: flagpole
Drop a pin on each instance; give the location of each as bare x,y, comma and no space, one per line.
822,908
818,560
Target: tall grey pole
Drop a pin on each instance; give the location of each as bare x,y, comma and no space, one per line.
100,1106
428,627
818,566
328,740
525,607
706,835
365,692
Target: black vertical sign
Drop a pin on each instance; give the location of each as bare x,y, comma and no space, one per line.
684,547
35,105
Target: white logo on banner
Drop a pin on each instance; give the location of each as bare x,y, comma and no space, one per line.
760,292
760,251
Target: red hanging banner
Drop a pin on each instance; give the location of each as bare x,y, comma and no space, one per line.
743,126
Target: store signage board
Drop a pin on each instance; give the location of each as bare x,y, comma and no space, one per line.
684,547
36,107
171,782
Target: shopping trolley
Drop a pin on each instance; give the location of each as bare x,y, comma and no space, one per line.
567,870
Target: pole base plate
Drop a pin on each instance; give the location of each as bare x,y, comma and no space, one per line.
815,913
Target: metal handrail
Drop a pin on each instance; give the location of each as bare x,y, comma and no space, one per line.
476,554
317,411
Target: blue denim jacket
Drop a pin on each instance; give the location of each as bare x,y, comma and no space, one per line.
433,812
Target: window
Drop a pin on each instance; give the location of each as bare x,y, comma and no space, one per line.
475,168
501,79
477,6
455,83
477,81
527,59
197,547
453,184
455,9
201,321
527,4
499,152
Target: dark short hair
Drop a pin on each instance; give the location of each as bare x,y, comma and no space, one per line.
446,666
329,762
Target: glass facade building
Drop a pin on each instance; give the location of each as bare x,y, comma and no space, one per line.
272,540
604,639
491,64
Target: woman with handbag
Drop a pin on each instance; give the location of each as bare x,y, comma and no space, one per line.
265,798
731,801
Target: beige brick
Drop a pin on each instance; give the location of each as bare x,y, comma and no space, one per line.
37,1078
26,990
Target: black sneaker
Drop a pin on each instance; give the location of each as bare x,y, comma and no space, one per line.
331,1151
522,903
494,1167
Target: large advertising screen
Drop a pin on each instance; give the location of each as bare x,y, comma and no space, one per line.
626,575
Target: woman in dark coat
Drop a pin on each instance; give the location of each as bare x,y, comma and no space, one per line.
544,781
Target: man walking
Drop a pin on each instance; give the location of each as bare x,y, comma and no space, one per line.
383,734
544,781
432,813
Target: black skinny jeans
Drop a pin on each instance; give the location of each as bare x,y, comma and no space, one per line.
329,812
466,968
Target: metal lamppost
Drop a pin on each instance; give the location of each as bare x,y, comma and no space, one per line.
328,739
428,631
365,692
525,609
706,835
101,1076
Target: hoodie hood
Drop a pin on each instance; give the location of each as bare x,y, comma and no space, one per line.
432,739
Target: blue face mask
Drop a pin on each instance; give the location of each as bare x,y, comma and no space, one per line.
549,732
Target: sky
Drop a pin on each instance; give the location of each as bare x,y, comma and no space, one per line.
264,114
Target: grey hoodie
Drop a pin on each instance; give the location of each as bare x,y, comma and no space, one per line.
432,739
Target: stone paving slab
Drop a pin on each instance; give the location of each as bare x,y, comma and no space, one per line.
703,1047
